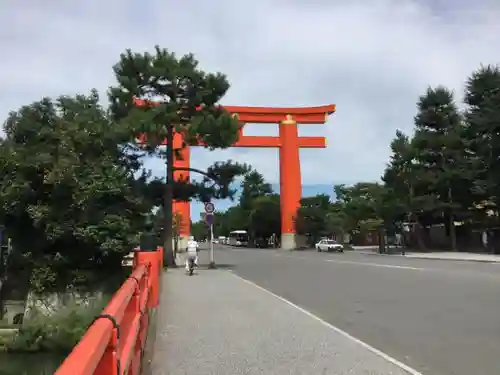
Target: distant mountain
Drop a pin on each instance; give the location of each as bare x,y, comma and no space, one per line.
312,190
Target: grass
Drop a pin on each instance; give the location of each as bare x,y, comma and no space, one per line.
59,332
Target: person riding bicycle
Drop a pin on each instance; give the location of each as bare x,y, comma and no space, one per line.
192,252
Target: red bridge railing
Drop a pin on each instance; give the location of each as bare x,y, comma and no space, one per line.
114,343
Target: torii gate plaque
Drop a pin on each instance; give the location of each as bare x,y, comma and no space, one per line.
288,143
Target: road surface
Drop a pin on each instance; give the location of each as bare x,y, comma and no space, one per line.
439,317
216,323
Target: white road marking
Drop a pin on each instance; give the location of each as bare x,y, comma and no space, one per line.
341,332
377,265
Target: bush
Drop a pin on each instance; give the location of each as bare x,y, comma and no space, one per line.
5,340
59,332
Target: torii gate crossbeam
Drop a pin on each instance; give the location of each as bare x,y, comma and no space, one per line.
289,144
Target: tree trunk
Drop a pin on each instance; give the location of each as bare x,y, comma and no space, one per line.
494,243
451,223
176,246
417,228
453,233
168,251
419,232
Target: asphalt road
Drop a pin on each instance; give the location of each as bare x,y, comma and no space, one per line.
439,317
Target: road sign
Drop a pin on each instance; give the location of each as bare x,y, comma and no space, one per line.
209,207
209,219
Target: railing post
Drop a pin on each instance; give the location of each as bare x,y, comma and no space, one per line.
160,255
110,363
150,258
135,307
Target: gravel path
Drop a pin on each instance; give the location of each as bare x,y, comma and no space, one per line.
217,323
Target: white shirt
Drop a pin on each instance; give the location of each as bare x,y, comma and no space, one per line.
192,247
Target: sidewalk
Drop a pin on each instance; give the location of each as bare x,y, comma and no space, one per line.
217,323
438,255
473,257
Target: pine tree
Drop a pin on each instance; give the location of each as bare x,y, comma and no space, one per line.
179,98
482,97
401,178
440,160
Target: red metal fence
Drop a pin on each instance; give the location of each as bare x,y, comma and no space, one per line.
114,343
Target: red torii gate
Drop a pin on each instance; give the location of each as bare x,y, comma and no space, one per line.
288,143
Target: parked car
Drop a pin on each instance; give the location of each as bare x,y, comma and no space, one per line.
329,245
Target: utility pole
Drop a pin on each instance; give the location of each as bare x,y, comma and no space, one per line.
212,260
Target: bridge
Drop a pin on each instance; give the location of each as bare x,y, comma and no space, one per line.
271,312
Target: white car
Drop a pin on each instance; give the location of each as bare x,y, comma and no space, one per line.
329,245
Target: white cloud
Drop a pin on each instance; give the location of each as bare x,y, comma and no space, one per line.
371,58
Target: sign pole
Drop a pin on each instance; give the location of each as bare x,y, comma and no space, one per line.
209,218
212,260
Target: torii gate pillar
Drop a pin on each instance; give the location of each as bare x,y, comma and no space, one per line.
290,181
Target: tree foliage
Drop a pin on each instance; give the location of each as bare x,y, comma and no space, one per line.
257,211
482,133
252,187
264,218
445,174
311,216
356,209
68,196
399,178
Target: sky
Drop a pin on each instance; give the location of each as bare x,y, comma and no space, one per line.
372,58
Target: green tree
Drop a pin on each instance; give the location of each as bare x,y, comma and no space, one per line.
186,102
234,218
68,196
362,204
200,230
311,217
264,218
257,211
439,154
400,178
482,133
337,221
253,186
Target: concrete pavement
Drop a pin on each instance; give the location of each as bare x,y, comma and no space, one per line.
436,255
217,323
440,317
442,255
